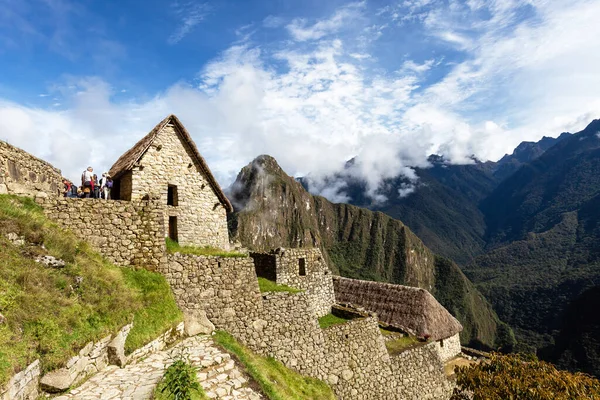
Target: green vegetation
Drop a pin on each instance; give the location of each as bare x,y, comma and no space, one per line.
522,377
174,247
328,320
158,312
276,381
51,313
267,285
400,344
179,383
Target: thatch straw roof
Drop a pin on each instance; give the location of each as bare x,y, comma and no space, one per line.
411,309
133,155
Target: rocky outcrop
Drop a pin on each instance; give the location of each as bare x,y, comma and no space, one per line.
274,210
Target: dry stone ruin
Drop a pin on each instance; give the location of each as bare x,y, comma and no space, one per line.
165,189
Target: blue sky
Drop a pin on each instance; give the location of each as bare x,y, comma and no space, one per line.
312,83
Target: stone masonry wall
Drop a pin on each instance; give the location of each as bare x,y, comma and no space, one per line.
201,218
448,348
126,233
420,374
316,280
23,174
24,385
352,357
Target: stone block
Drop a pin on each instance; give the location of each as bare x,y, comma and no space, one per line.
196,322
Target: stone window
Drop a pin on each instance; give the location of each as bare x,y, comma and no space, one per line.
172,197
302,266
173,228
442,343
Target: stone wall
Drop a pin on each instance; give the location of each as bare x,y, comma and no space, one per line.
91,359
352,357
158,344
420,374
126,233
301,268
23,174
201,218
448,348
24,385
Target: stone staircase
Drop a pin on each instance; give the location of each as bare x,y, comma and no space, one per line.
217,372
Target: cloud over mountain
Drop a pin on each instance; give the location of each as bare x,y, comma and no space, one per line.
325,89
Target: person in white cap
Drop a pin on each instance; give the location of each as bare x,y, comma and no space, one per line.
106,185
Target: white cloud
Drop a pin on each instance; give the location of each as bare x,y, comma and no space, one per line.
516,79
272,21
301,30
189,14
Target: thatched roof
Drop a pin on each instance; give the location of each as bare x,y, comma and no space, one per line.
132,156
411,309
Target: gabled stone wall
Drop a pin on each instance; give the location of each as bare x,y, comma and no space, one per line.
201,218
301,268
126,233
23,174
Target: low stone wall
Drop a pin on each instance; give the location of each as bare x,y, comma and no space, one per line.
91,359
126,233
158,344
23,174
24,385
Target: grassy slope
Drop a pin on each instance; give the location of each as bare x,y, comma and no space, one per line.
48,314
275,380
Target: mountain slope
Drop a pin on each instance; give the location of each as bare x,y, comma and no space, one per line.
544,237
578,347
272,210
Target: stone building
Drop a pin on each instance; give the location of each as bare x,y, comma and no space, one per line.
301,268
410,309
166,165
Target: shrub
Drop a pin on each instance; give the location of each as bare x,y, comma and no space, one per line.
517,376
180,383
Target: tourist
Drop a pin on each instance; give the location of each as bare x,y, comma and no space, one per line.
107,184
66,187
96,187
87,181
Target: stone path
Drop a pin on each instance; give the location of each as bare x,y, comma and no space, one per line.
217,373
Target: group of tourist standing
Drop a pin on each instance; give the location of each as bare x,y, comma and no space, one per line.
91,186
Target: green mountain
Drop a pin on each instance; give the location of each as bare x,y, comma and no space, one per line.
274,210
578,346
543,238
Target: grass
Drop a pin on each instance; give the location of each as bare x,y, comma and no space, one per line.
159,310
400,344
52,313
329,320
174,247
276,381
267,285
